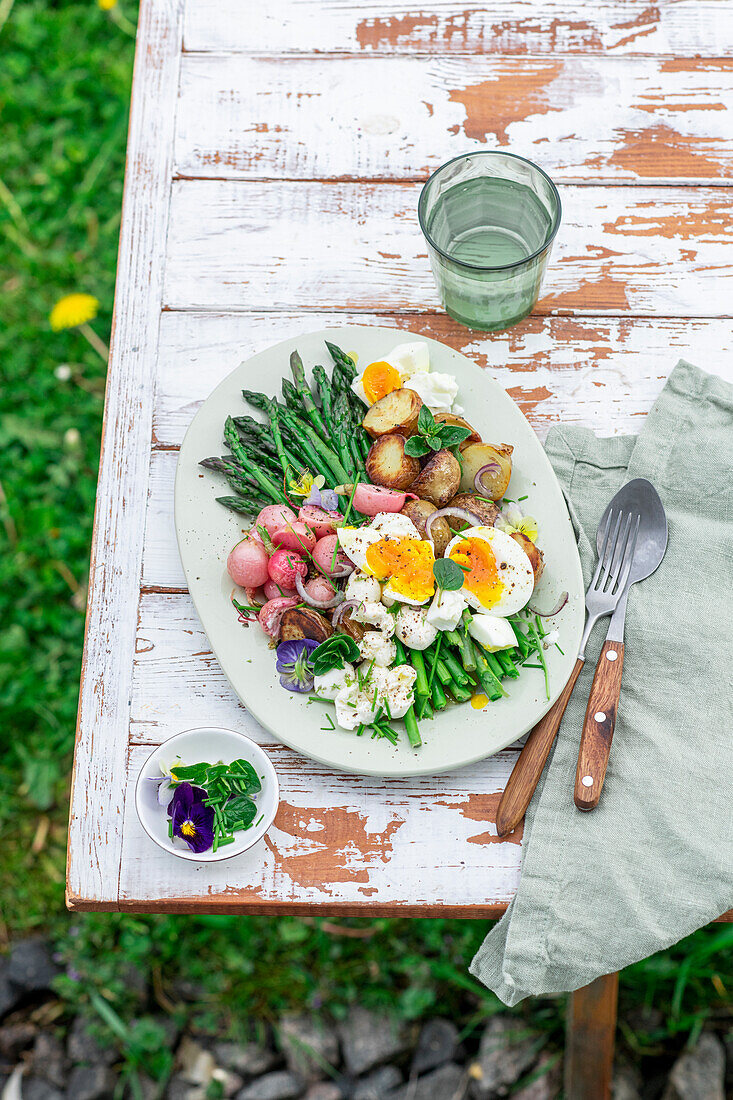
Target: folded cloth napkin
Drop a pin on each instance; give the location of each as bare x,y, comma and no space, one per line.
654,861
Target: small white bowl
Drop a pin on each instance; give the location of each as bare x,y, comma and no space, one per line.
210,743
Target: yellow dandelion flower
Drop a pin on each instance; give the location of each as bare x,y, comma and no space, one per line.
107,5
73,310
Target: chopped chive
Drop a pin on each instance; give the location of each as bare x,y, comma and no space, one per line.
259,819
519,499
561,650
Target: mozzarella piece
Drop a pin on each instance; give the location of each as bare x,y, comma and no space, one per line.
492,632
438,391
374,614
446,609
361,586
409,359
413,629
399,691
331,683
378,647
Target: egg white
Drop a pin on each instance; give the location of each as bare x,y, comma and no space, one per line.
355,542
517,575
407,360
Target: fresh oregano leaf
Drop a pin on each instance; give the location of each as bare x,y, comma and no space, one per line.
452,434
426,422
416,446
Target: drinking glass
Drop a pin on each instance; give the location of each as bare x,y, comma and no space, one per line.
489,219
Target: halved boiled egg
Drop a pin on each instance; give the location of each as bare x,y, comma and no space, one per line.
498,573
388,374
391,550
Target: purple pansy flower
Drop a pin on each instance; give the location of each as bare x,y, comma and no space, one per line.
192,821
294,666
323,498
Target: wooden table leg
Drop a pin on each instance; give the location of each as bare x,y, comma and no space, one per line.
589,1042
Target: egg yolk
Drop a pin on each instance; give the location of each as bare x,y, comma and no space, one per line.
379,379
407,562
482,576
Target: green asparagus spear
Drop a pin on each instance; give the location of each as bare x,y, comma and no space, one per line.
270,487
311,409
325,392
341,359
245,506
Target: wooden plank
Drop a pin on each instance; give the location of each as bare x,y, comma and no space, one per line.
684,27
381,117
591,1032
95,838
239,245
339,841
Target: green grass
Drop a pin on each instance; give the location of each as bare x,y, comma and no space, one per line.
64,91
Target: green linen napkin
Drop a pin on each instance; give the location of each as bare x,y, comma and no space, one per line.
654,861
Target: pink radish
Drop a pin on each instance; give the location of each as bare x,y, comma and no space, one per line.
329,559
371,499
320,521
271,615
274,591
283,565
247,563
294,536
320,589
273,516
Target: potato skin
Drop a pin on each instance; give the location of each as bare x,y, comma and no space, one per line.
477,455
347,625
419,511
486,510
439,480
533,552
388,465
458,422
395,412
304,622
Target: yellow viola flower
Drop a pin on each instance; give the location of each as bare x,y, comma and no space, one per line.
304,485
107,5
511,519
73,310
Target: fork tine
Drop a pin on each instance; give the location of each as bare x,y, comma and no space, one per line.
601,555
628,556
618,551
608,555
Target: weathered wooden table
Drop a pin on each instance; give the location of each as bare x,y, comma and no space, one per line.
275,158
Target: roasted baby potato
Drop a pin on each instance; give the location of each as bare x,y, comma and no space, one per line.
304,622
419,511
439,480
533,552
388,465
458,422
477,455
485,510
395,412
348,626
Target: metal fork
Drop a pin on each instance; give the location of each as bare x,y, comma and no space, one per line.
615,543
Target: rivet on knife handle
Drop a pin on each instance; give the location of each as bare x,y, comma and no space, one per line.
598,727
531,761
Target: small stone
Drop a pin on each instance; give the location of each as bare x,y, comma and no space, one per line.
34,1088
83,1048
48,1059
179,1089
31,967
16,1037
324,1090
437,1044
505,1053
249,1059
368,1039
376,1084
698,1073
196,1065
307,1044
449,1082
626,1083
281,1085
91,1083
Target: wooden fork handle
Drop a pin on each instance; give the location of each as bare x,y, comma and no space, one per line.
598,727
532,759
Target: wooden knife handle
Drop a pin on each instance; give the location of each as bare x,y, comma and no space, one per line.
532,759
600,720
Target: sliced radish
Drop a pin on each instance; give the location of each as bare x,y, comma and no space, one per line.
271,614
371,499
320,521
294,536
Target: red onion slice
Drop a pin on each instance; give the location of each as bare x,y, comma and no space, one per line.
322,605
455,513
348,605
555,611
489,468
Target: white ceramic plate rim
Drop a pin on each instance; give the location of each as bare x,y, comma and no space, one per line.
206,532
245,840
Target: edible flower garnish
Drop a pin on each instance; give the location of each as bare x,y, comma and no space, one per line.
511,519
191,820
294,664
323,498
432,436
305,484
